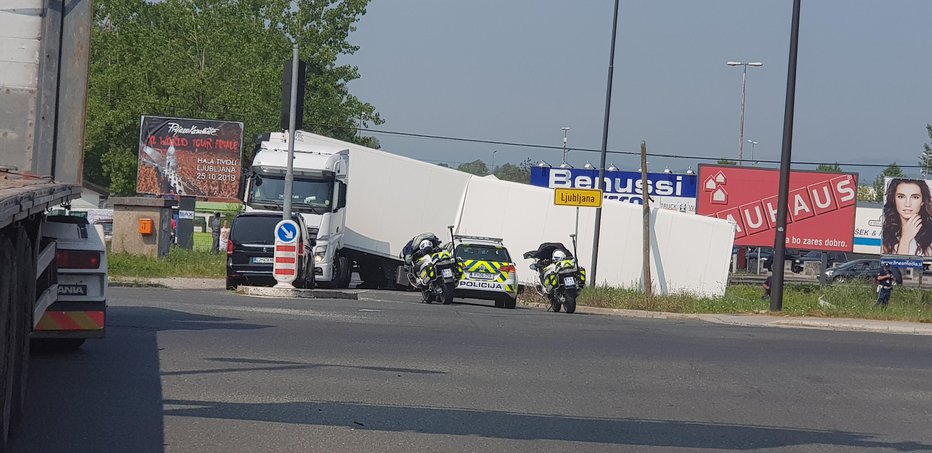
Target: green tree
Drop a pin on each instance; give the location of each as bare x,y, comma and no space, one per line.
515,173
892,171
476,167
727,162
214,59
866,193
925,159
829,168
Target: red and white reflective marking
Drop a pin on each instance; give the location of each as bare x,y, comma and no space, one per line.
287,240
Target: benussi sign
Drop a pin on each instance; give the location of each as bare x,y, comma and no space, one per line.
666,190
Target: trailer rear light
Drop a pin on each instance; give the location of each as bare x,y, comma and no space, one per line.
229,248
508,268
77,259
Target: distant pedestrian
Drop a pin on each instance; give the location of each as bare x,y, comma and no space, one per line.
885,281
215,227
225,235
766,286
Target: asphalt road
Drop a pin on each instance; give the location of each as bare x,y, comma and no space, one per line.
210,371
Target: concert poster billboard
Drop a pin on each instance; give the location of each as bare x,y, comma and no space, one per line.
190,157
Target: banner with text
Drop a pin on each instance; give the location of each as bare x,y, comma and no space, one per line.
666,190
199,158
821,206
906,217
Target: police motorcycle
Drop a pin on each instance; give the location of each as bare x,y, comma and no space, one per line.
432,269
561,278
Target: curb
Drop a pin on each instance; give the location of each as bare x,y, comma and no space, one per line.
134,284
295,293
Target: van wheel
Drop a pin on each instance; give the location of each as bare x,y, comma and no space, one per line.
232,283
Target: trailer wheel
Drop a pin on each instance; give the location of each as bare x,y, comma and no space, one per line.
26,295
7,336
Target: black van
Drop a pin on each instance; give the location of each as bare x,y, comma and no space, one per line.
251,251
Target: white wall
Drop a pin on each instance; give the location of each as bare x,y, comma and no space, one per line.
689,253
392,198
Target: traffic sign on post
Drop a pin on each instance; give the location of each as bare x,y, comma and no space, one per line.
578,197
285,269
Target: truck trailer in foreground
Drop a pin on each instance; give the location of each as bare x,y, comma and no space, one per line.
43,86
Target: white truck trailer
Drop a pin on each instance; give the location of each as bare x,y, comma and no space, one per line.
365,204
43,86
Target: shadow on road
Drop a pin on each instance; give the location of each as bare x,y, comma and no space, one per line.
508,425
107,396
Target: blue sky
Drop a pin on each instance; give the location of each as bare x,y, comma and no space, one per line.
519,70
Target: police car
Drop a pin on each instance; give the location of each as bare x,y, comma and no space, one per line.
488,270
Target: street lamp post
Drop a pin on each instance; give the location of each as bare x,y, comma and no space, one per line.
744,79
492,168
753,144
564,142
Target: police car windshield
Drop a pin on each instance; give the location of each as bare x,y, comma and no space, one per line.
305,192
482,253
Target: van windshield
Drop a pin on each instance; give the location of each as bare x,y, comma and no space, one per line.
254,229
316,194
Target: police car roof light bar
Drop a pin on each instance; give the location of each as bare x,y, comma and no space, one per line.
478,238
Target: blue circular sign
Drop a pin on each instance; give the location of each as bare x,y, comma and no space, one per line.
286,232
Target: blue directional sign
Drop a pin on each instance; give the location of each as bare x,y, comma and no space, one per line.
286,232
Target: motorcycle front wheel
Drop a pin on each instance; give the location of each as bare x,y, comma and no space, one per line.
427,296
569,302
555,303
446,296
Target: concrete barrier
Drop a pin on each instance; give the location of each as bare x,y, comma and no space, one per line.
295,293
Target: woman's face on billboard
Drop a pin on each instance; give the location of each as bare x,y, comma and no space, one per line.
908,200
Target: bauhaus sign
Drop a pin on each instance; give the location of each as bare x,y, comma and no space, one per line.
820,214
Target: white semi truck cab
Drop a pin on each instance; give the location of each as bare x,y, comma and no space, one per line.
318,194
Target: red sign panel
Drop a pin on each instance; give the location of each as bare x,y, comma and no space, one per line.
821,206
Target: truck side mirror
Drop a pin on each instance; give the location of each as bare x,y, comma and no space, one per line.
341,195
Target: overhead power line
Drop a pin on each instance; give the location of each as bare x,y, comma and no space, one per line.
626,153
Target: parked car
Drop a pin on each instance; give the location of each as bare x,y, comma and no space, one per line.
856,270
834,258
251,250
789,255
488,271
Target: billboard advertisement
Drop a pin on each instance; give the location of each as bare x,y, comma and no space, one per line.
821,206
666,190
906,217
868,228
198,158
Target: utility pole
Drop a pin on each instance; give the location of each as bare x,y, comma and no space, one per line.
564,142
648,285
601,182
779,246
744,80
292,115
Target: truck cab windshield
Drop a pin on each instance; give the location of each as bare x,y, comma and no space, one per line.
307,194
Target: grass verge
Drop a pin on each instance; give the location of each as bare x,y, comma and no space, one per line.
799,299
179,263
